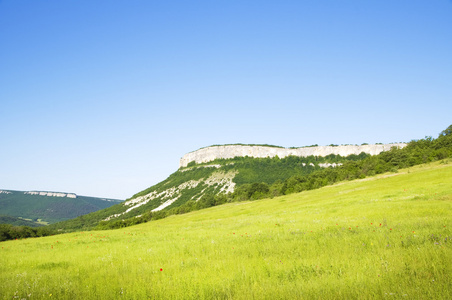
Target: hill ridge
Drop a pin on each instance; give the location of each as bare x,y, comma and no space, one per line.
49,206
211,153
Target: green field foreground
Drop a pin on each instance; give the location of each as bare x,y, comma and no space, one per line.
387,236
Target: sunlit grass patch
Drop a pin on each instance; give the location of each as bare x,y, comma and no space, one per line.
388,236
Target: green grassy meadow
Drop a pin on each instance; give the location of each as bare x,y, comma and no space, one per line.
387,236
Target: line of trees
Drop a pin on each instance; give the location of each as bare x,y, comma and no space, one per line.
11,232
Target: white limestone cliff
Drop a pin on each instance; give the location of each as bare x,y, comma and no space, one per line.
230,151
51,194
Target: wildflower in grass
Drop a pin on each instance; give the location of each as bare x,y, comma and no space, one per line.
161,269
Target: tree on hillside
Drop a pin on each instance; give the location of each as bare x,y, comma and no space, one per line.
447,131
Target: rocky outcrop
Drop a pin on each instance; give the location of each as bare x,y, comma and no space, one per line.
51,194
216,183
230,151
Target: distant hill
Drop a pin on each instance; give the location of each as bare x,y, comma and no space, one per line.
40,207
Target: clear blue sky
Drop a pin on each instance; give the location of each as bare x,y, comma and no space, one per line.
102,98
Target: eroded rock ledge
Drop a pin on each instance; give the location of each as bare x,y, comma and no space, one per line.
230,151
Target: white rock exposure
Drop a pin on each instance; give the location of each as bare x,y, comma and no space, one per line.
230,151
51,194
170,195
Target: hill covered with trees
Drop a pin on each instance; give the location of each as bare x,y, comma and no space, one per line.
47,207
244,178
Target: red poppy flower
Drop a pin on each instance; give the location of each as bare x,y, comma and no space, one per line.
161,270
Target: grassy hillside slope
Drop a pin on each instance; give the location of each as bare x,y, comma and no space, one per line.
199,186
192,183
387,236
49,209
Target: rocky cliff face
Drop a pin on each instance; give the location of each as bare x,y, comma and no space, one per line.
230,151
51,194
